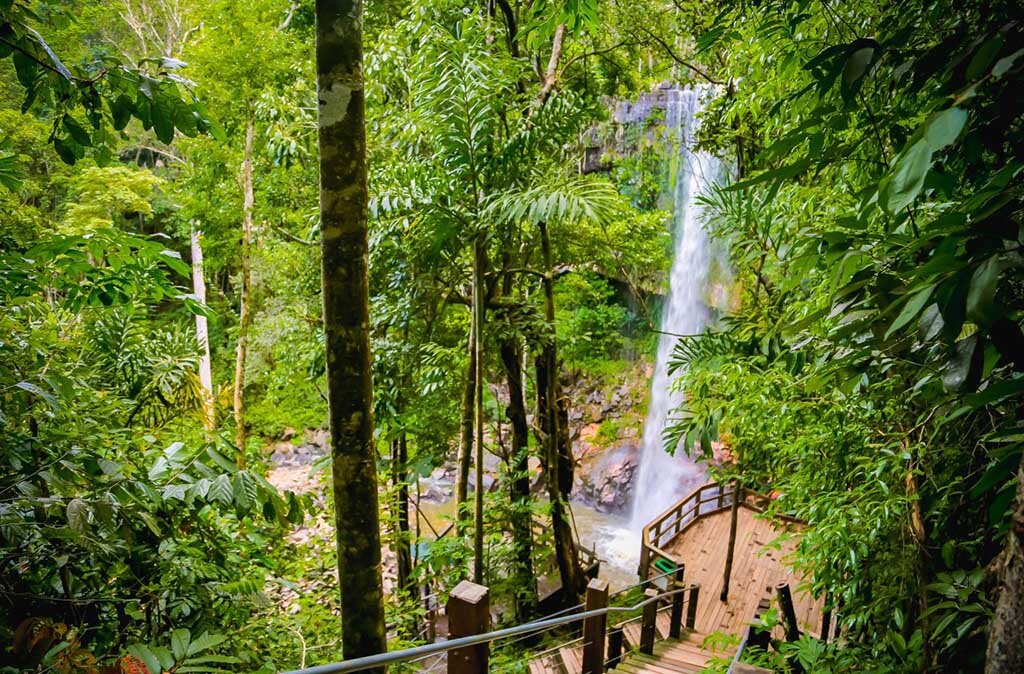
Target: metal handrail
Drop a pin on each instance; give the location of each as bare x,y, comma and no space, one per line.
613,594
380,659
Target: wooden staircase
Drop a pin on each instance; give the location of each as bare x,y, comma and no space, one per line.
686,655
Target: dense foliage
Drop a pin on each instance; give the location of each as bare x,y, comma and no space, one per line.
873,373
161,323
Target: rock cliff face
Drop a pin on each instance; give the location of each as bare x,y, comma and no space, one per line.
605,422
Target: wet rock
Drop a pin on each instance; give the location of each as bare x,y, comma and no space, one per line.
288,433
604,480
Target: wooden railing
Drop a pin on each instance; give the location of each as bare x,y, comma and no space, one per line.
706,500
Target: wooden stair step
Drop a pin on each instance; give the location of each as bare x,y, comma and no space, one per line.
572,659
674,653
663,666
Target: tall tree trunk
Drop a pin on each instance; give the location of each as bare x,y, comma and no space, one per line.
1006,633
203,332
566,554
399,470
244,318
466,433
343,218
478,410
519,487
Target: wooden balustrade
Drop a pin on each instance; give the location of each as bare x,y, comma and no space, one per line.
705,500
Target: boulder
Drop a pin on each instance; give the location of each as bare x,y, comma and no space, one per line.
604,481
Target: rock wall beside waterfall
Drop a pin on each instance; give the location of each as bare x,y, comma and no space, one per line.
606,421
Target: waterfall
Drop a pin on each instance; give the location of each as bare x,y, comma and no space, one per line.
663,478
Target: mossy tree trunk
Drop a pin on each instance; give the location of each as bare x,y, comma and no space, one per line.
550,418
343,217
1006,633
244,310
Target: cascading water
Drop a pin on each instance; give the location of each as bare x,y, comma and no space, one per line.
663,478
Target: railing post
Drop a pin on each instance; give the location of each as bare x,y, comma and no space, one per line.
676,615
645,562
647,624
594,627
468,614
691,607
788,612
614,647
826,617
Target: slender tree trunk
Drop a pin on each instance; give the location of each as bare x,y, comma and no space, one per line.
399,470
244,318
1006,633
478,410
551,74
343,217
466,432
202,332
731,550
519,487
566,554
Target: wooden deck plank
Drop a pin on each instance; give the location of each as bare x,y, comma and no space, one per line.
757,568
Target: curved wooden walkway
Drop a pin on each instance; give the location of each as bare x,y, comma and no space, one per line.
694,534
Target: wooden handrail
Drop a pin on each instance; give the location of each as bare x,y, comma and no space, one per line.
681,515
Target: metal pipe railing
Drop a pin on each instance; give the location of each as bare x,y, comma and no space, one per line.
381,659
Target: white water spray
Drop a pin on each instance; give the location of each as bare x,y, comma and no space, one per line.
663,478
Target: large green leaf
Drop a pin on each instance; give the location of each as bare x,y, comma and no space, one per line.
911,309
904,184
944,127
180,640
981,306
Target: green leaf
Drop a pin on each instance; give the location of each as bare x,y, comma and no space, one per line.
220,490
912,308
50,399
965,365
907,177
1004,64
944,127
983,57
75,130
121,111
65,151
856,66
142,652
204,642
180,639
981,307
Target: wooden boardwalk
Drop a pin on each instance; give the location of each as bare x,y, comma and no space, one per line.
694,534
758,567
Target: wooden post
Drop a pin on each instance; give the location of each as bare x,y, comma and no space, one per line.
468,614
676,616
691,608
614,647
594,627
787,611
736,494
826,617
645,562
647,624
